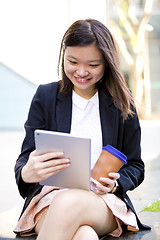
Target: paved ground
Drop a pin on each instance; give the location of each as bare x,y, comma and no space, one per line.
11,203
149,190
10,144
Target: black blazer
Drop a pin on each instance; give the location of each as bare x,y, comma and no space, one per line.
51,110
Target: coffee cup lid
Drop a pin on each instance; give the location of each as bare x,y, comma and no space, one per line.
116,153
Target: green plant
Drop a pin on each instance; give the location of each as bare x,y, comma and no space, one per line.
154,207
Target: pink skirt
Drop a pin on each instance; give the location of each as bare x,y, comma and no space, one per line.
26,223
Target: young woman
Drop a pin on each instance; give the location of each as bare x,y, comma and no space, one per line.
92,100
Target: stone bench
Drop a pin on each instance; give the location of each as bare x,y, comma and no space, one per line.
8,220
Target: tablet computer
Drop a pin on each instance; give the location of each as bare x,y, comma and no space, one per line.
77,175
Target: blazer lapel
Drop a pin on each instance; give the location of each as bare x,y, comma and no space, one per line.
108,118
64,112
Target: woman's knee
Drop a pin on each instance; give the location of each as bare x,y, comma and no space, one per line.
68,207
85,232
69,200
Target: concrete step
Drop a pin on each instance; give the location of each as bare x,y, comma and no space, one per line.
8,220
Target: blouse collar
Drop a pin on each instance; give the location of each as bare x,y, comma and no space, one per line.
82,103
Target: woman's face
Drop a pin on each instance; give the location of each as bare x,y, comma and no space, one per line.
84,66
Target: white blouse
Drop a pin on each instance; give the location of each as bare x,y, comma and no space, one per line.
86,122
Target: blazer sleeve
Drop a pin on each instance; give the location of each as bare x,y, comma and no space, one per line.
131,174
39,117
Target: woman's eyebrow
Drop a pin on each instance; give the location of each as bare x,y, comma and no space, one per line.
70,56
94,60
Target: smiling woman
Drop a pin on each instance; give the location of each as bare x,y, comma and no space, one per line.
83,34
92,101
84,66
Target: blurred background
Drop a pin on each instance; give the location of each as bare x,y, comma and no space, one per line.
30,37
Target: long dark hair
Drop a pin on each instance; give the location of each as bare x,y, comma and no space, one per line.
89,31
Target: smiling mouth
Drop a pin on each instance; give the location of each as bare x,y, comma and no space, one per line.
82,80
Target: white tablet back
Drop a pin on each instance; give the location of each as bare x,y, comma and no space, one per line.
77,175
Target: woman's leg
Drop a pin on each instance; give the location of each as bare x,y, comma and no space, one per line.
81,233
40,219
72,209
85,233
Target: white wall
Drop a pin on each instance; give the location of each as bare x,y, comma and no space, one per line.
150,139
31,32
30,35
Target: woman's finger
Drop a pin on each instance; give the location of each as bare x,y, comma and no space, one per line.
114,176
50,155
107,181
55,162
43,174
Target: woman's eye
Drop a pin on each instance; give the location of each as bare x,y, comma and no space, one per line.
94,65
72,62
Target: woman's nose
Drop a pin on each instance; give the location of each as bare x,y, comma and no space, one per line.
82,72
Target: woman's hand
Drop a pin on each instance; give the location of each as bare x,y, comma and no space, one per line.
40,167
109,183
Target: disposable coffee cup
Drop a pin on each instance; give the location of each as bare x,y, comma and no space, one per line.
110,160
